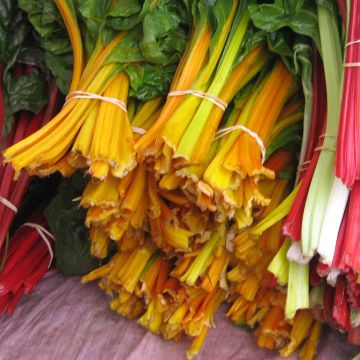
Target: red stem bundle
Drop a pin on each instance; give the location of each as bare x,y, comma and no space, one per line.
347,166
10,189
27,261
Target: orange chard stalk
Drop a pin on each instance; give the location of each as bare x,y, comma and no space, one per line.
308,350
66,9
190,65
238,78
245,156
300,330
275,328
98,60
174,128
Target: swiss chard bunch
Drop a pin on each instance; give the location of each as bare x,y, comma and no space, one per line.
156,35
294,46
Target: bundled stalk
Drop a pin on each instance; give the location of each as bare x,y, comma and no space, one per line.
197,197
255,301
78,137
12,191
25,260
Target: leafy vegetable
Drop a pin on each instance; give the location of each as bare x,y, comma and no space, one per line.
66,222
293,14
20,91
149,81
46,20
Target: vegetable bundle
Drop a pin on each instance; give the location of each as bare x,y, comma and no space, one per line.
25,261
207,134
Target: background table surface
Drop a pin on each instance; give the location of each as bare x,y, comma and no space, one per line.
64,320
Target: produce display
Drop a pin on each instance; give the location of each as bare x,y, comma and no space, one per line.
192,153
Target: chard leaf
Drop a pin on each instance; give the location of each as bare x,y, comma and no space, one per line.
296,15
22,92
93,13
148,81
128,49
27,92
46,20
66,222
163,38
161,26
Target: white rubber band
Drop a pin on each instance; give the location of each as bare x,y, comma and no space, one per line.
79,94
352,43
8,204
138,130
222,132
43,232
214,99
354,64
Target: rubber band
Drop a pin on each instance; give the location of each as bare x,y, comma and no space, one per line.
43,232
322,136
214,99
8,204
320,148
350,43
79,94
354,64
222,132
138,130
304,166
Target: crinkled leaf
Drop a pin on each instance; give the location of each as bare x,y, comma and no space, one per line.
62,68
22,92
161,26
93,13
148,81
27,92
66,221
163,38
296,15
128,49
125,14
47,22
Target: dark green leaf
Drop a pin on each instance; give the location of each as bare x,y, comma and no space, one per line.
296,15
24,93
46,20
66,221
148,81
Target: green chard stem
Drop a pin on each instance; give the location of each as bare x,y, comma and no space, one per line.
298,289
323,178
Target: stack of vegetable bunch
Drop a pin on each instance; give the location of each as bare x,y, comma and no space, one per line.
193,188
318,259
25,245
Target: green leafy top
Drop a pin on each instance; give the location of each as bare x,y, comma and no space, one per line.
298,15
17,46
156,38
51,32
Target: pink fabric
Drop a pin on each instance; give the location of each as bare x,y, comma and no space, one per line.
64,320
